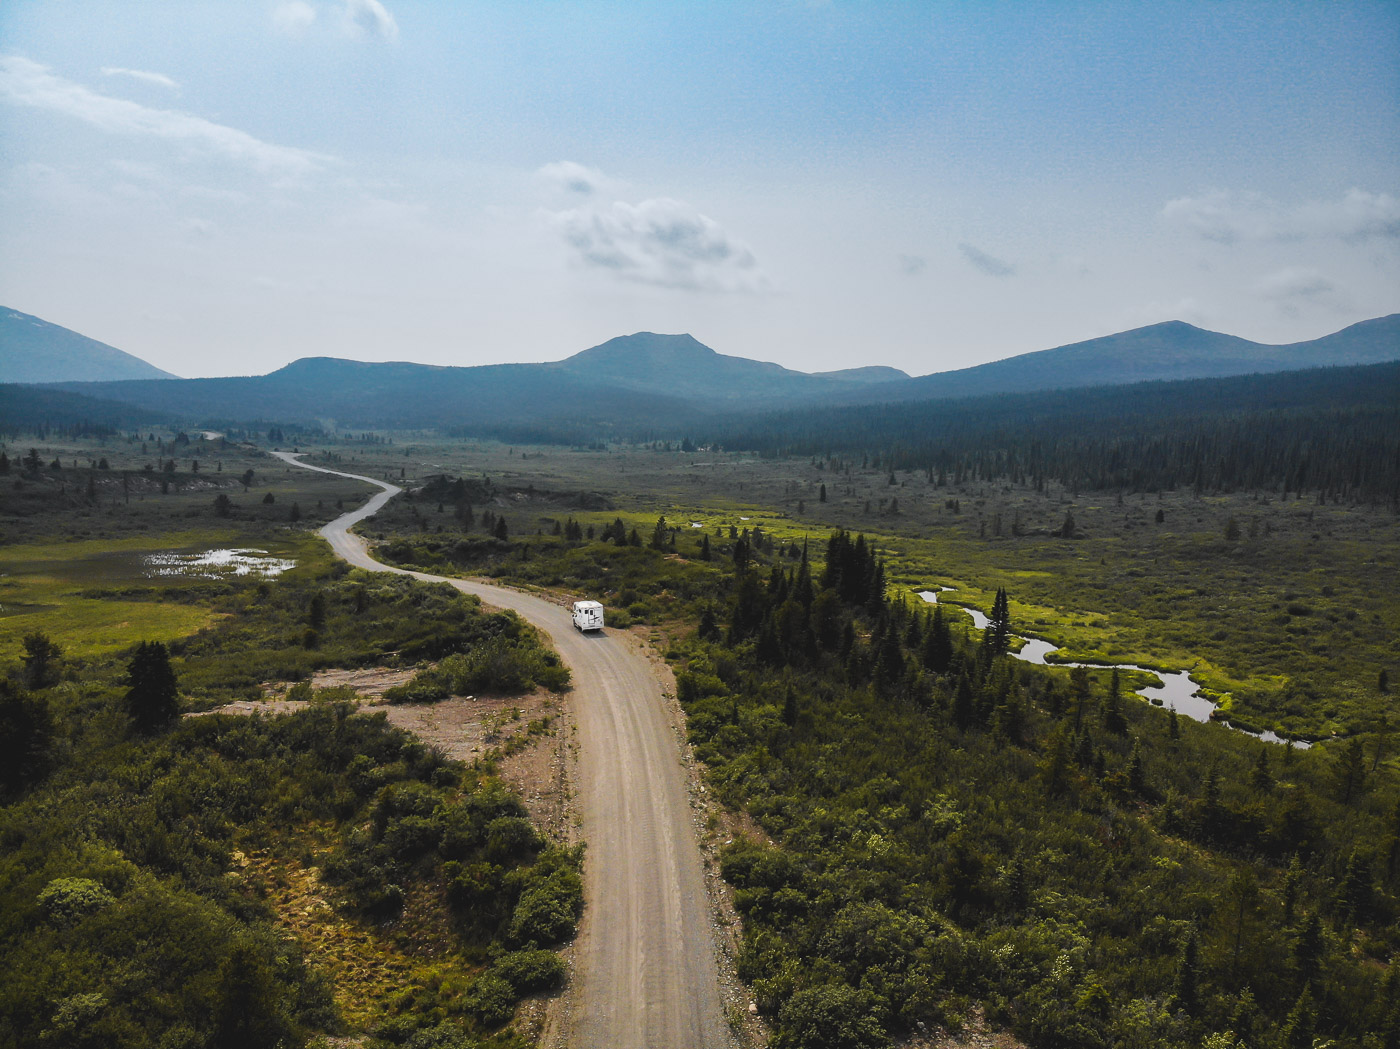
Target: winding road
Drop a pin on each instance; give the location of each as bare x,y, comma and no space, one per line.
645,964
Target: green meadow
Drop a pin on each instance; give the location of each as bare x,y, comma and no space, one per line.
1288,611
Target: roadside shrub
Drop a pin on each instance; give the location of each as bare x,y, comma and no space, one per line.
530,971
548,910
491,999
500,665
829,1016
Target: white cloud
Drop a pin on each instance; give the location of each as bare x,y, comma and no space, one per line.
1297,286
159,79
661,242
370,16
988,264
293,18
1230,218
912,265
568,177
27,83
1357,216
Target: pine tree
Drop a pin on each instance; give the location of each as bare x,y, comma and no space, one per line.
501,532
1137,779
1300,1026
1261,779
152,698
1113,720
41,656
660,534
998,634
1186,988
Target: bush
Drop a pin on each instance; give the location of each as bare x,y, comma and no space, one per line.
530,971
499,665
491,999
830,1016
548,911
65,901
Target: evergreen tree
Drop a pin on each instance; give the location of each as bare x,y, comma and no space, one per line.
1307,949
998,633
1137,780
1113,720
1261,779
26,738
1300,1026
248,1011
151,698
1349,772
1186,988
660,534
501,532
41,656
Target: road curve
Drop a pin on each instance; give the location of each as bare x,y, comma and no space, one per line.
645,969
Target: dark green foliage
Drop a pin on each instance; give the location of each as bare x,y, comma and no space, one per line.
249,1010
951,825
548,911
510,663
120,926
529,972
829,1016
1335,431
369,620
26,738
152,698
41,661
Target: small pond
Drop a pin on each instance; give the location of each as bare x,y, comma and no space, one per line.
217,564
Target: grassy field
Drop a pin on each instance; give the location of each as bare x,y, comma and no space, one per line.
1288,610
76,543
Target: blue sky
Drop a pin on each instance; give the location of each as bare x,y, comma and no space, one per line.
221,188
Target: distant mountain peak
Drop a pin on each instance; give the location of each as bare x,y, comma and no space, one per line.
33,350
645,344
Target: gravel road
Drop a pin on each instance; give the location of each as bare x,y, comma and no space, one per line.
645,969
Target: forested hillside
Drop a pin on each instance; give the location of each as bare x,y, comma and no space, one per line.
1330,433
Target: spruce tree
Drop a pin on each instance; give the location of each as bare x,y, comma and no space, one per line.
151,698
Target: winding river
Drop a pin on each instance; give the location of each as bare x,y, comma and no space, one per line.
1177,689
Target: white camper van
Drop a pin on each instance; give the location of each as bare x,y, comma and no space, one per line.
588,615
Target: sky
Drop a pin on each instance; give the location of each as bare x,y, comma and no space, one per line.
223,187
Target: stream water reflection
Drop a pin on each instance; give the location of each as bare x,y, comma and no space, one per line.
1177,690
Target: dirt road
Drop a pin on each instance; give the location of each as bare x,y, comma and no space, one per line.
645,966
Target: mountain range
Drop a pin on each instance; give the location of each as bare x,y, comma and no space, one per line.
651,384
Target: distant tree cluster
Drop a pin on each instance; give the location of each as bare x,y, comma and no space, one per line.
1333,435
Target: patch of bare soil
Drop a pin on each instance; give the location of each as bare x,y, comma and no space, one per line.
370,682
974,1035
470,727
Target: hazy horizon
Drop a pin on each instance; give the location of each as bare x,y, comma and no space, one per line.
223,188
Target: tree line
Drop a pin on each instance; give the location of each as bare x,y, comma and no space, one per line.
1330,434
